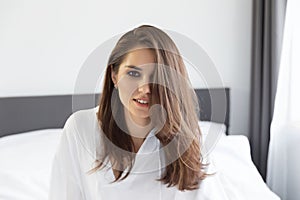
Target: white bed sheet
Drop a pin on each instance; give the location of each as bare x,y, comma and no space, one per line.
232,160
25,164
26,160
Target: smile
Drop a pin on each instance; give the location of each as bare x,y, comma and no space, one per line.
141,103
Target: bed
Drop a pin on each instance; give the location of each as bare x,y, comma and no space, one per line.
30,129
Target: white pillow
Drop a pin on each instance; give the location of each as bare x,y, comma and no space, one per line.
205,126
211,133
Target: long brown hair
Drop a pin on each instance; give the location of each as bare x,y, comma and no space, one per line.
180,134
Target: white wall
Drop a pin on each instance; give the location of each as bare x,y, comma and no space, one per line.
43,44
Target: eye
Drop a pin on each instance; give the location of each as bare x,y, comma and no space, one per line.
134,73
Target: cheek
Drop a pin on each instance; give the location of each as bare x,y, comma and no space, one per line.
126,89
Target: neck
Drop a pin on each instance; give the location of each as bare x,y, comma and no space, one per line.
138,128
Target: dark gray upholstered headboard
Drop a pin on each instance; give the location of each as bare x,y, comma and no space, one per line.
21,114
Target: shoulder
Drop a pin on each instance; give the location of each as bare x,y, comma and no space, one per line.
82,127
82,119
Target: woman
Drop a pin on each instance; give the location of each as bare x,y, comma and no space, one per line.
143,140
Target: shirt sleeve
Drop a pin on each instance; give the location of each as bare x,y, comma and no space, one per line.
65,173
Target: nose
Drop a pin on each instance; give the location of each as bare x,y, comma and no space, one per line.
144,87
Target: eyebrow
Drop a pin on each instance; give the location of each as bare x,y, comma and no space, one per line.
133,67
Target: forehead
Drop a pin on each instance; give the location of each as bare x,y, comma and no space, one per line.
140,57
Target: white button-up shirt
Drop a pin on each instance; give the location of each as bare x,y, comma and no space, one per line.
79,146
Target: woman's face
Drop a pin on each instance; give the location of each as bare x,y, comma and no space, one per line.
133,84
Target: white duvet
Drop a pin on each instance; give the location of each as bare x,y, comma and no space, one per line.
26,161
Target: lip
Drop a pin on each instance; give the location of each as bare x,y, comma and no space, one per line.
141,105
144,99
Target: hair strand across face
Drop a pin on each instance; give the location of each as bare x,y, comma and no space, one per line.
180,135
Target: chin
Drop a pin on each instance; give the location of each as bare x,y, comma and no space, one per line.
141,116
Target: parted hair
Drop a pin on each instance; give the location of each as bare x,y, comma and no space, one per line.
180,134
